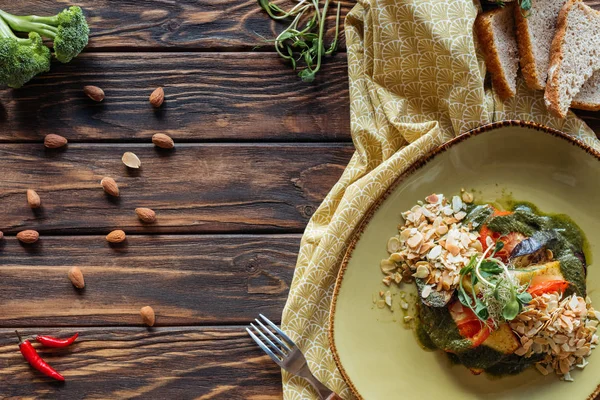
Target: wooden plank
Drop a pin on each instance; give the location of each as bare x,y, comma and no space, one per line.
117,363
187,279
218,25
209,97
266,188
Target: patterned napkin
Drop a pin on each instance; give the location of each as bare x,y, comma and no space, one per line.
416,80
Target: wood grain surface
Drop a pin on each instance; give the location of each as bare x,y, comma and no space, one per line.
208,97
138,363
166,25
187,279
194,188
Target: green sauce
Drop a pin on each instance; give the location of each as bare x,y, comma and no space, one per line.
441,329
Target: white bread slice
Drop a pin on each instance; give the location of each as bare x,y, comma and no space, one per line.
574,56
535,31
588,97
495,31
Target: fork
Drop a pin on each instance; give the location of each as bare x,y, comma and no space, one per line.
286,354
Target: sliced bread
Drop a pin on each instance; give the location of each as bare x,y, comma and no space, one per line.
496,34
588,97
535,31
574,55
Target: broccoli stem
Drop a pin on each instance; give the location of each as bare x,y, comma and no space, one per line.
30,24
5,31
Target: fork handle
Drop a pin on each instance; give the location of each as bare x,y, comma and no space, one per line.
324,392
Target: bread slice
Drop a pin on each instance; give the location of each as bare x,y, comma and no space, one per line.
588,97
535,31
496,34
574,55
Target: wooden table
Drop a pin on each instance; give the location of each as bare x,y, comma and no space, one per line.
257,150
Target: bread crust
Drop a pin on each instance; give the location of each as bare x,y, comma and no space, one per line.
485,34
556,57
526,56
583,105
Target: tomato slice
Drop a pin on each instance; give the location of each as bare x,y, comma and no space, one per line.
552,286
510,241
498,213
469,326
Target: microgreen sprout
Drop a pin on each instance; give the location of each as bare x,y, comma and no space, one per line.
296,44
502,297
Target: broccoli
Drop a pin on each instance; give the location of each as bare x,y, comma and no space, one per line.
21,59
68,29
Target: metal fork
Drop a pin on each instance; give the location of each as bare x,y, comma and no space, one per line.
286,354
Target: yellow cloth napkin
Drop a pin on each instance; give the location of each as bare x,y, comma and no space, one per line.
416,80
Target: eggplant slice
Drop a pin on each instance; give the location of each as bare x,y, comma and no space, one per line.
533,250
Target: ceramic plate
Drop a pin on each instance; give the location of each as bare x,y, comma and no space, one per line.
378,356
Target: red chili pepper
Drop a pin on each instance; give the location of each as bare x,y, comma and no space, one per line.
50,341
34,359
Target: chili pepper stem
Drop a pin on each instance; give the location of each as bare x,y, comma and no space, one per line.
19,336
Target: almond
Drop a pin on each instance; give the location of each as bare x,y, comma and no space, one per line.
148,315
131,160
1,235
53,141
76,277
28,236
157,97
116,236
110,186
33,199
146,215
163,141
94,93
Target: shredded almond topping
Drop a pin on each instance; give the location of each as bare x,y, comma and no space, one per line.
432,245
563,330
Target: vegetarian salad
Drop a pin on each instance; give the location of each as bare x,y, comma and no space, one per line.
499,290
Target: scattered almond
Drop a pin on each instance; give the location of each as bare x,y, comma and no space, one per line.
163,141
157,97
28,236
94,93
148,315
53,141
1,235
76,277
467,197
110,186
33,199
116,236
146,215
131,160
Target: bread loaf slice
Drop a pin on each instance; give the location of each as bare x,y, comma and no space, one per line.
588,97
574,55
495,31
535,31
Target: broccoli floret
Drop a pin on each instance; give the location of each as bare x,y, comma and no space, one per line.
68,29
21,59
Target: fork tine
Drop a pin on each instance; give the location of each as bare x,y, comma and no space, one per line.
272,325
273,336
264,347
268,340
